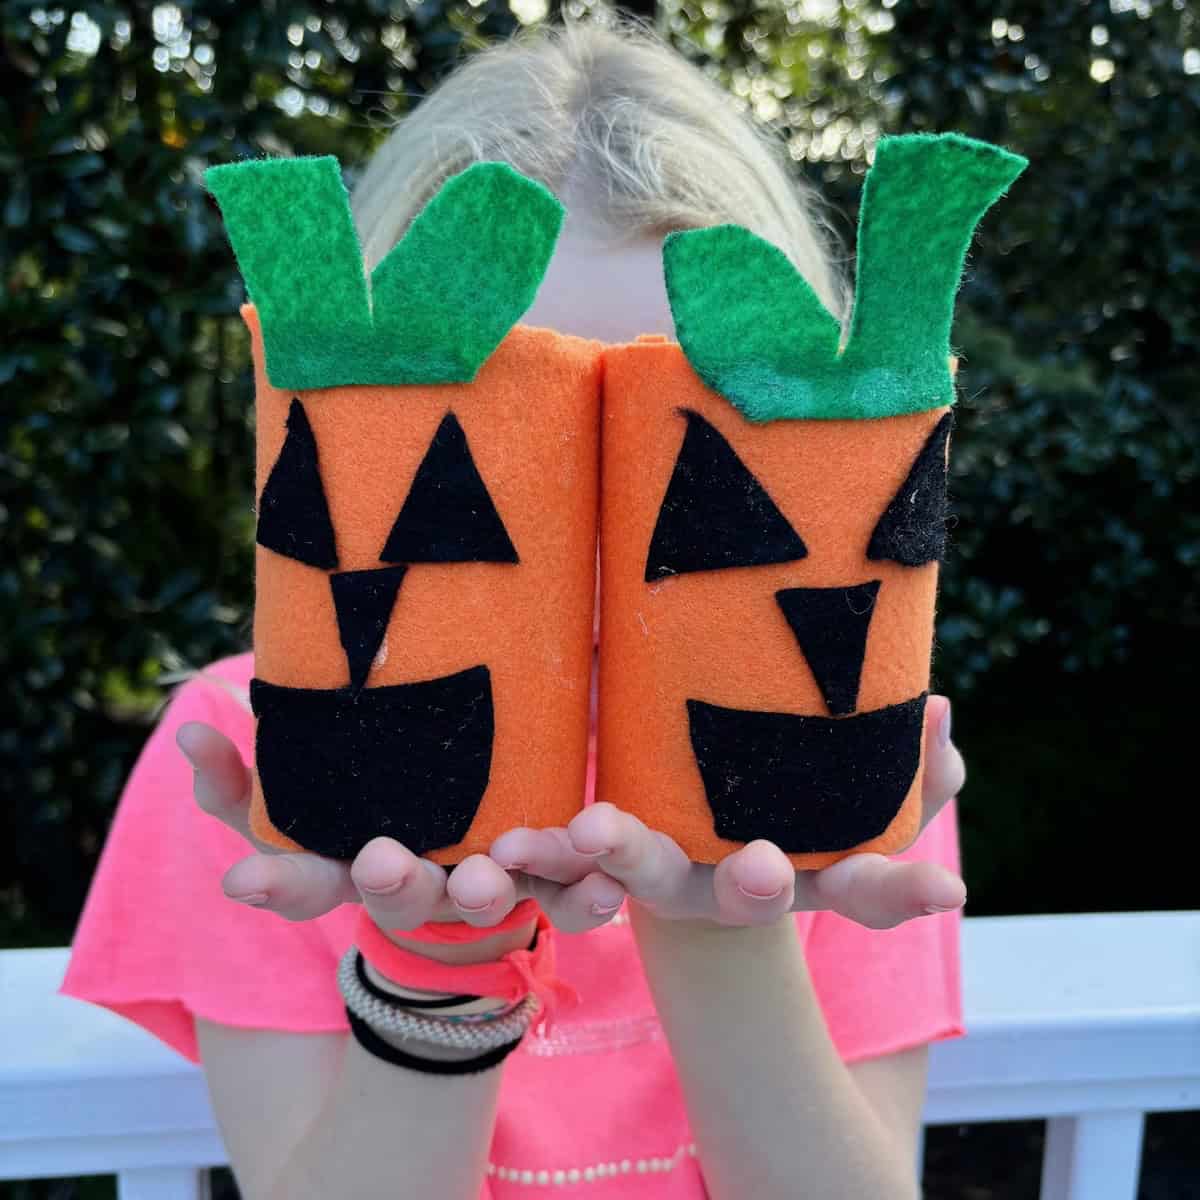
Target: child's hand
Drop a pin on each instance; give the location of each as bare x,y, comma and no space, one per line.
400,889
756,884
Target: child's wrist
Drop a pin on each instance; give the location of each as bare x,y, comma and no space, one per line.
483,950
470,1004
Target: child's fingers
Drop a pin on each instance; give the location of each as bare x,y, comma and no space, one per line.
650,865
298,887
400,889
482,892
545,852
945,771
879,893
754,885
577,907
222,781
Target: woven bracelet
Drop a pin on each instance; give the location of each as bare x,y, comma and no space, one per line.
391,1017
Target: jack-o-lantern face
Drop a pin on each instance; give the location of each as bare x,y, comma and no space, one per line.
426,554
764,625
772,520
427,482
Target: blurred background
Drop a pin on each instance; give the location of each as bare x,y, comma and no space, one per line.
1068,617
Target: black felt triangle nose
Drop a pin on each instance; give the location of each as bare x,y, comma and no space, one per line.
364,601
831,626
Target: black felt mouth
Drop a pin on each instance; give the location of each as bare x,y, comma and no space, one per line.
409,761
808,784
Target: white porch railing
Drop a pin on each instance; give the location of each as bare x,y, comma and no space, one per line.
1089,1020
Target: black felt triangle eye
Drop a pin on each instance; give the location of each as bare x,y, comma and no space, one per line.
912,530
293,514
715,513
448,515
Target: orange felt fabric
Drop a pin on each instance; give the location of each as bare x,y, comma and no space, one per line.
719,636
531,419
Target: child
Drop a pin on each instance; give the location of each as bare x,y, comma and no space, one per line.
743,1031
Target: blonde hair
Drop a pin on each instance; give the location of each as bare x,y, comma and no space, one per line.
608,116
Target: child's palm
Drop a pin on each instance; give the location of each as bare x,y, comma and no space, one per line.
578,874
756,884
408,890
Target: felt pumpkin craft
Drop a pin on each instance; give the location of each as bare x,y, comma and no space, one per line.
772,523
426,484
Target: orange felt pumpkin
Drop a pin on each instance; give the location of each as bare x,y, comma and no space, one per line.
720,636
427,506
772,522
425,564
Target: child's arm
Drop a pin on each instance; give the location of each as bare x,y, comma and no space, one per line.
316,1115
775,1111
305,1114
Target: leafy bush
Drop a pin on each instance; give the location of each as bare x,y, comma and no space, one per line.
127,424
125,436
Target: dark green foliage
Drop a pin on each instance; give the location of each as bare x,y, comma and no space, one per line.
1069,614
1075,476
126,443
1078,444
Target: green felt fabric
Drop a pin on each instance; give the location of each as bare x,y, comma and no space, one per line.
289,222
754,330
746,318
434,309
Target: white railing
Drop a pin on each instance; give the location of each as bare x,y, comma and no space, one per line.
1089,1020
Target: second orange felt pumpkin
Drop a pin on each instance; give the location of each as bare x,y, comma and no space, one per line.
719,636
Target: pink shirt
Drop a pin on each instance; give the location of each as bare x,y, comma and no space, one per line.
595,1104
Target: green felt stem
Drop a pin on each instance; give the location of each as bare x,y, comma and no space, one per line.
472,261
434,309
747,319
755,332
289,222
922,199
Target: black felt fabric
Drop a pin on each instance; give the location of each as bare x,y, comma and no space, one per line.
410,761
715,514
293,514
372,1043
912,530
831,626
448,515
808,784
364,601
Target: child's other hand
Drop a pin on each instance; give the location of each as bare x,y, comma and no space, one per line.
400,889
757,884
